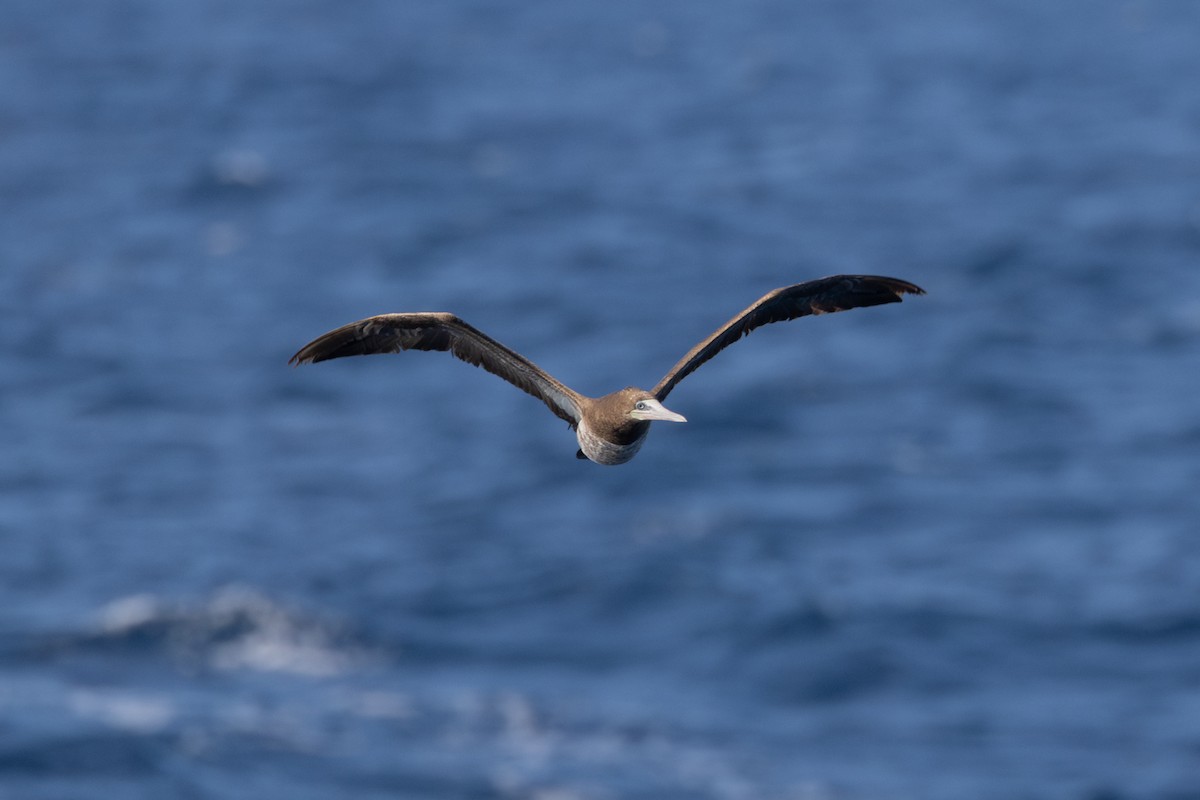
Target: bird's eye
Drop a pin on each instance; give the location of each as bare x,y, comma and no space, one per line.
640,405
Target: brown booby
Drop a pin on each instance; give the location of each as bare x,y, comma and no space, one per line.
610,429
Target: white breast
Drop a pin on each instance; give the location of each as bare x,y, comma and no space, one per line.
605,452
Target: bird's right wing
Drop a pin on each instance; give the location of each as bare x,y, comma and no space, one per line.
393,333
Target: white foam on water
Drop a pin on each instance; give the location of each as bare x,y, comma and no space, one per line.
129,711
239,628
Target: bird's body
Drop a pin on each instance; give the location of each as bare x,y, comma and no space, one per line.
612,428
607,431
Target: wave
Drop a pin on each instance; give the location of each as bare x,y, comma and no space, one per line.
236,628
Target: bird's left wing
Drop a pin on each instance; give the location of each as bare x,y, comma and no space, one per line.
822,296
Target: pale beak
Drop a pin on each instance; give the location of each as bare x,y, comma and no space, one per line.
655,411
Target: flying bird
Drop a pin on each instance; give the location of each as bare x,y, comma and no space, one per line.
612,428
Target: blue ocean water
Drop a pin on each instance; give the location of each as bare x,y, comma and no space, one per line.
939,550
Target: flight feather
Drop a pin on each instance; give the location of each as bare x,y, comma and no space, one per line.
393,333
821,296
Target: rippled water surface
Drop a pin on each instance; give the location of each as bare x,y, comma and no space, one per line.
939,550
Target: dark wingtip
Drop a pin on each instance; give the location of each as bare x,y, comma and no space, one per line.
845,292
306,357
301,357
890,290
335,344
900,287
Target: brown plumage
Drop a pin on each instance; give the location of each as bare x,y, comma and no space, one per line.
610,429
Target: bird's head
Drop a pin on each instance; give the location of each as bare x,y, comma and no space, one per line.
645,407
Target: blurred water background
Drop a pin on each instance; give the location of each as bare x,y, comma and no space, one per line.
939,550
